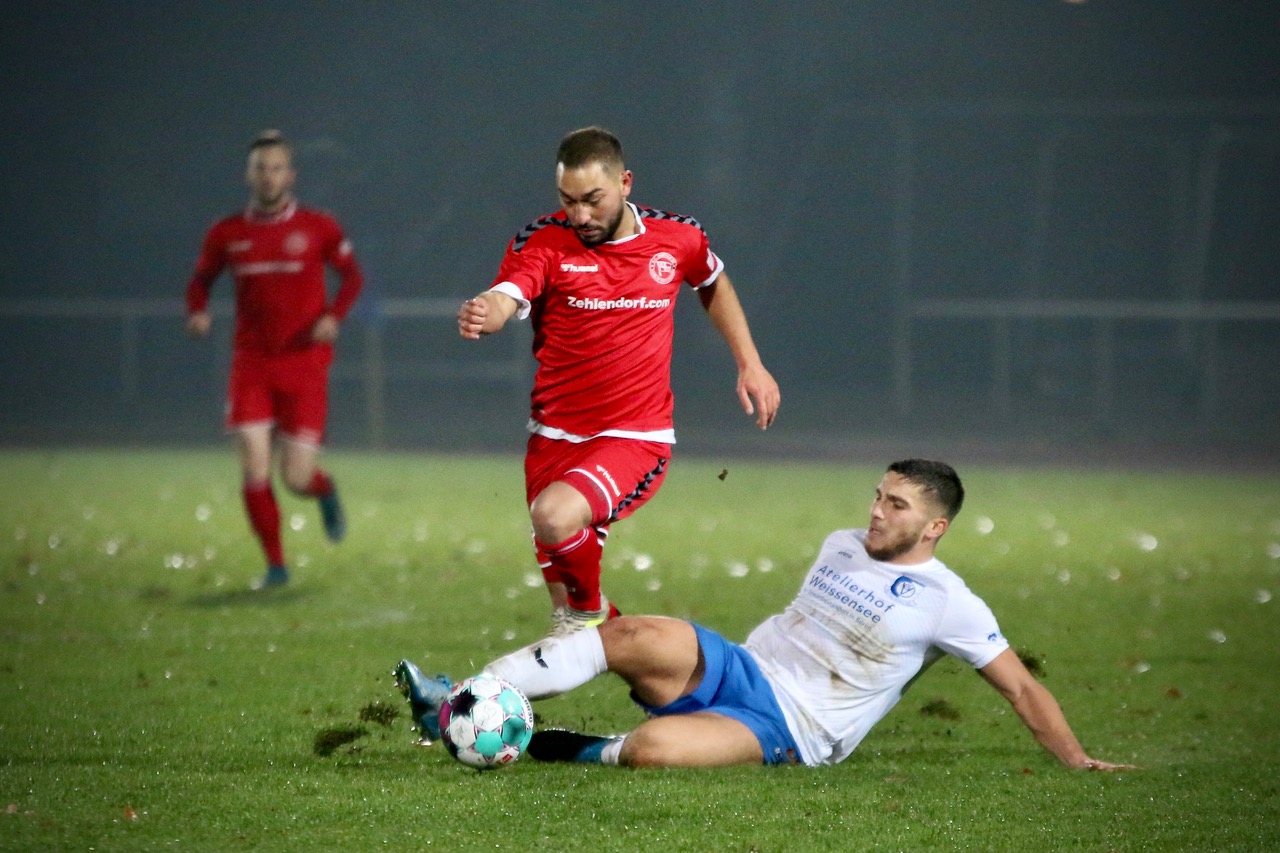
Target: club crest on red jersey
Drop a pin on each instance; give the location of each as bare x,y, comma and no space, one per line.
662,267
296,243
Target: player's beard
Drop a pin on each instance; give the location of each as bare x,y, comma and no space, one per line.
605,234
272,202
894,547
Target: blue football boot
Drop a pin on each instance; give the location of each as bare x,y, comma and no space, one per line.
335,520
425,695
276,576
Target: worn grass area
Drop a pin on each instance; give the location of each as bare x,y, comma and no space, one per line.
149,701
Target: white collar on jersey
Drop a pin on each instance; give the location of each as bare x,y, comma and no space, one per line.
640,229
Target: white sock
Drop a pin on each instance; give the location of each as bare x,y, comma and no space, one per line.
551,666
611,751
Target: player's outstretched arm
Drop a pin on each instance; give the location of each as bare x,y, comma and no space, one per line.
1040,712
757,390
485,314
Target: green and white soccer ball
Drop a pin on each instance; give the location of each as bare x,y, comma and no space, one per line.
486,722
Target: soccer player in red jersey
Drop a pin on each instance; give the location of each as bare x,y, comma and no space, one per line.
599,280
283,342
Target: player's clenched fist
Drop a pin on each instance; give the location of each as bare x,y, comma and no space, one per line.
471,318
199,323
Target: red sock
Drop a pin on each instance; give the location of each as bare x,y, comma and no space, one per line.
264,517
321,484
577,559
550,571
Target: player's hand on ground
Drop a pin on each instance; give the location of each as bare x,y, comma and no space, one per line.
1105,766
325,331
757,384
198,324
471,318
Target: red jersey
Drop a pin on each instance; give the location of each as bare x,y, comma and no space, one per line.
603,321
278,263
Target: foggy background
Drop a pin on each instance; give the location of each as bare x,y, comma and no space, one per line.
1015,228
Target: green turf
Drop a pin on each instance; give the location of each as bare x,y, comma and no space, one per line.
147,701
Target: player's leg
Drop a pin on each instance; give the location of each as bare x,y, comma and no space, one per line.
543,669
708,702
576,491
702,739
656,655
617,476
250,418
559,516
570,548
662,661
302,405
301,473
659,657
260,504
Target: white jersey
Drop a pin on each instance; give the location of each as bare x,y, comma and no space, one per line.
859,631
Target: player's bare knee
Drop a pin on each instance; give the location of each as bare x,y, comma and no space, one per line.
653,654
643,749
627,635
554,520
296,480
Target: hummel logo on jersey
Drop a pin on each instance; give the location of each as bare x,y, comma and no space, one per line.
579,268
239,245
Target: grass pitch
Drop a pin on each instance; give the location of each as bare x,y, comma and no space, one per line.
149,701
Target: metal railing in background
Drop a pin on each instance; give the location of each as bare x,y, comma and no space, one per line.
509,365
1103,315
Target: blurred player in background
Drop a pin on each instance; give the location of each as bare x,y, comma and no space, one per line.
875,611
599,280
284,335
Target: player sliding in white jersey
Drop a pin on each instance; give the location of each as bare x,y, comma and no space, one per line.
875,610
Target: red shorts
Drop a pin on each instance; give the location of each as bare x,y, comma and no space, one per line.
289,391
616,475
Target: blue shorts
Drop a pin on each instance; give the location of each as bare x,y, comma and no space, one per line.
733,686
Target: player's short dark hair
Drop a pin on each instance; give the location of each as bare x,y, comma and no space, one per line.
270,138
938,480
590,145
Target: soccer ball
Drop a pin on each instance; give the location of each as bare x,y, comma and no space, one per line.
486,722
